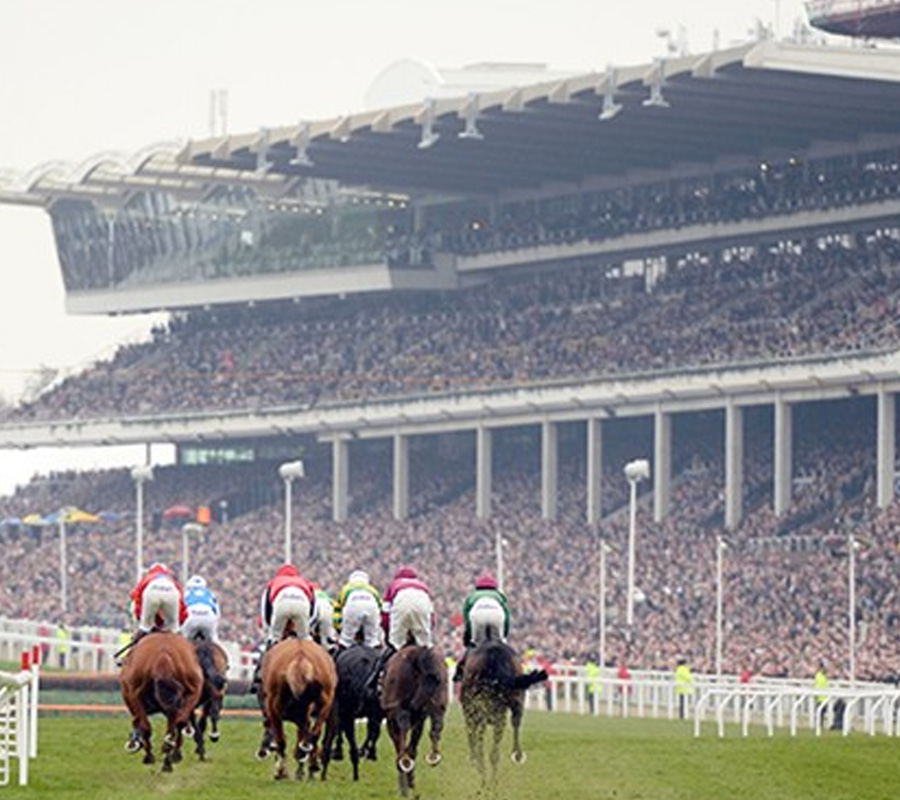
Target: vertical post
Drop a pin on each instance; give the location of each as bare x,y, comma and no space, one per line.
288,521
63,567
602,652
720,549
632,532
851,547
140,474
185,568
498,547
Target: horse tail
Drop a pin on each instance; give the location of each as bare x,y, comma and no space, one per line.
300,674
431,677
528,679
210,671
167,688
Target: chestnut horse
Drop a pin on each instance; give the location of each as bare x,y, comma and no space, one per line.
415,690
214,663
299,681
356,699
492,684
162,675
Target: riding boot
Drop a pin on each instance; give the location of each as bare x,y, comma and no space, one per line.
375,679
460,666
256,681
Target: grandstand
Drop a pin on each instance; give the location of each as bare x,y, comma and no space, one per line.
468,314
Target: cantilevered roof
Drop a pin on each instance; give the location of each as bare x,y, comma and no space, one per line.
766,97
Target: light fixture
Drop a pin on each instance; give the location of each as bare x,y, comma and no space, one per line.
656,99
262,151
470,115
610,108
301,142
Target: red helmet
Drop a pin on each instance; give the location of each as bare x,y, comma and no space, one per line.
405,572
287,569
486,581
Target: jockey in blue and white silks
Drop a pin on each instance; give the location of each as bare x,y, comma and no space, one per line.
203,611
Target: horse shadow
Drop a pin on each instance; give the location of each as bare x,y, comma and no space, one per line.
161,674
492,685
414,690
356,699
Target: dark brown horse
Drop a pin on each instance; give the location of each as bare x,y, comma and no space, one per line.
492,684
356,699
415,690
162,675
214,663
299,681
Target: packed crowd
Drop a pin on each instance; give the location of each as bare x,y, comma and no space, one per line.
785,607
805,298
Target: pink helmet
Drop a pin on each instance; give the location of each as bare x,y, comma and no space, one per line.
405,572
486,581
287,569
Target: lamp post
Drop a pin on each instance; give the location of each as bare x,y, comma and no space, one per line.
498,548
604,549
186,530
635,472
289,472
720,551
63,566
852,544
140,475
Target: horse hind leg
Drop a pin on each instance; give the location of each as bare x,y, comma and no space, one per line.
518,754
437,726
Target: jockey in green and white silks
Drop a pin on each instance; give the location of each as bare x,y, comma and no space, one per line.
485,609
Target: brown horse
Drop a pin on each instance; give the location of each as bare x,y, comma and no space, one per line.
492,684
415,689
299,681
214,663
162,675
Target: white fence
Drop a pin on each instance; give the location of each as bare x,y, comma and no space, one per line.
18,721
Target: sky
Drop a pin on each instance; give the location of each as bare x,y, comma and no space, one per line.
81,77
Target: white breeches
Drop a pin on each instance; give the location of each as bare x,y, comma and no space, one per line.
485,614
323,623
290,606
411,614
202,623
160,598
361,615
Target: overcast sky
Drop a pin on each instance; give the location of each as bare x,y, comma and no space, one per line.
80,77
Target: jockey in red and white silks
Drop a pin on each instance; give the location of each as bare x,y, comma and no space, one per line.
288,600
158,601
408,612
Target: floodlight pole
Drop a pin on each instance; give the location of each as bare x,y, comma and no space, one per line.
140,474
851,611
289,472
720,550
635,472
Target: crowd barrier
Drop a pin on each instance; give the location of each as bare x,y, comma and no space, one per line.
19,694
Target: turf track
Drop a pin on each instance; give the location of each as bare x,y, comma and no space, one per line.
568,757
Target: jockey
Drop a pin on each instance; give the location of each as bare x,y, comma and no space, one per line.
407,614
158,602
485,616
321,625
357,613
203,611
287,600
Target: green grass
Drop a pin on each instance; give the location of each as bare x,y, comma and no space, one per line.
568,757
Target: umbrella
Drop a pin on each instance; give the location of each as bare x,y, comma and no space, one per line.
77,515
11,522
34,521
178,512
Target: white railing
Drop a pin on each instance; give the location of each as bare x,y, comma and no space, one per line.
18,720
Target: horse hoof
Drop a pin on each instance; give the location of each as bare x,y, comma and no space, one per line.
433,759
262,754
188,730
518,757
149,758
214,736
132,746
337,755
405,764
166,767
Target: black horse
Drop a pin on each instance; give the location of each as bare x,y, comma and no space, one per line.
214,663
492,684
415,690
357,698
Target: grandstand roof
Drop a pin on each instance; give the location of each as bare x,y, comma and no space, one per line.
749,101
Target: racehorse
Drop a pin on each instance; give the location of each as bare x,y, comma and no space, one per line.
299,681
356,699
492,684
214,663
415,689
162,675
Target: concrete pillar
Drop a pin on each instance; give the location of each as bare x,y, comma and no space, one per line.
784,456
484,472
340,479
734,465
662,464
401,476
549,470
887,446
594,470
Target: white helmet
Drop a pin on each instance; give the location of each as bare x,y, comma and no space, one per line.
359,576
196,582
